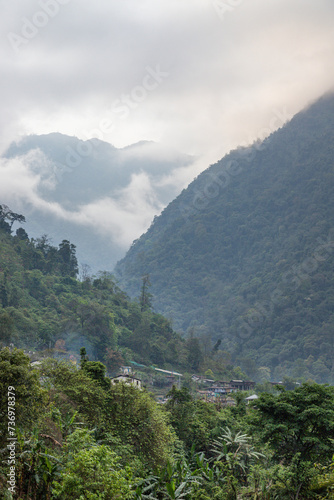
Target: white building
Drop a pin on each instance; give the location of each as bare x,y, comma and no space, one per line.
126,379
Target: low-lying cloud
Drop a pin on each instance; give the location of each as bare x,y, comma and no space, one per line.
120,218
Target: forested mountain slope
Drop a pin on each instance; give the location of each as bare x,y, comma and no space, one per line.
44,306
245,253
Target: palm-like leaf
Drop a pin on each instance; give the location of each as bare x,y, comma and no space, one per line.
234,449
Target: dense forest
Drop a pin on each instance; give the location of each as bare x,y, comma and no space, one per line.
79,437
245,254
45,308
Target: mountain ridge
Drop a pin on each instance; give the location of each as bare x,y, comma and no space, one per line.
210,265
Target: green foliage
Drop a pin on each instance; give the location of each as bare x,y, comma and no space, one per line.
42,304
8,217
134,416
6,326
37,467
183,480
298,422
26,391
145,297
94,474
75,390
81,439
67,259
96,370
298,426
195,422
236,452
323,481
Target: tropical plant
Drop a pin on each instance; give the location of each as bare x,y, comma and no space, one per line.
236,451
38,467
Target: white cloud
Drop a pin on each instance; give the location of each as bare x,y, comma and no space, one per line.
227,79
224,75
120,219
127,217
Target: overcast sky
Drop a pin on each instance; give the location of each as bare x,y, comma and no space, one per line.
220,68
201,76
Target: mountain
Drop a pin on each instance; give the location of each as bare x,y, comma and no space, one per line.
91,193
244,255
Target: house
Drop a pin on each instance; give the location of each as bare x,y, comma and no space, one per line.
253,397
127,379
220,390
201,380
242,385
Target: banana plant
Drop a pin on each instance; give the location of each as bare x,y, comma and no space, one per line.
235,450
145,488
174,482
67,423
37,467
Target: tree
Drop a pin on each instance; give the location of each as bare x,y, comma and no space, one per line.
195,356
145,297
96,370
36,466
6,327
3,292
67,259
113,359
139,421
97,323
216,346
76,390
7,218
236,451
299,427
299,421
22,234
195,422
17,373
95,474
83,356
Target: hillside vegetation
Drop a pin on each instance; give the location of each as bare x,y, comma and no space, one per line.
76,436
245,254
44,307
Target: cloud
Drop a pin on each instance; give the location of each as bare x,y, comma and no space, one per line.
225,75
126,217
120,219
85,68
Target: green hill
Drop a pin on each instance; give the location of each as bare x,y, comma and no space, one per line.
245,254
45,308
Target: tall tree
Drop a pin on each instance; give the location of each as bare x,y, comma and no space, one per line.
8,217
145,295
67,259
